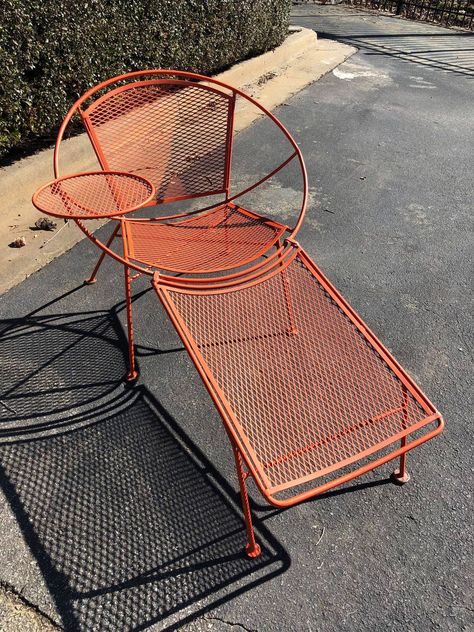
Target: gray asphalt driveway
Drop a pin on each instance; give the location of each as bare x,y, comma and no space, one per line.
119,507
387,35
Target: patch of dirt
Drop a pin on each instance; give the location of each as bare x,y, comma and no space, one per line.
16,615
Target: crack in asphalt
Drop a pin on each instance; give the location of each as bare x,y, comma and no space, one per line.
230,623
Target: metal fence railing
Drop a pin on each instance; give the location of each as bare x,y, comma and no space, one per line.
459,13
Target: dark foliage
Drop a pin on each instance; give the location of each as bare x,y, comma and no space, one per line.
51,51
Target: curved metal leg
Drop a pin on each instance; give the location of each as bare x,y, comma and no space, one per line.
252,548
132,372
92,279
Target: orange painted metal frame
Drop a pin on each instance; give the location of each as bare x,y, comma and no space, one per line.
192,77
243,281
250,272
182,79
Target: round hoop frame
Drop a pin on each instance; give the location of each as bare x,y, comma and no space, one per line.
180,78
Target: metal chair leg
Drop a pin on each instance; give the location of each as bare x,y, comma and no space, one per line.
252,548
401,476
132,372
291,329
92,279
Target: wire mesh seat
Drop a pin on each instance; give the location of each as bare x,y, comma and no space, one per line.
219,239
309,397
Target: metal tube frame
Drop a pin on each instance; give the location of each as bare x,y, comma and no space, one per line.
256,273
280,261
184,78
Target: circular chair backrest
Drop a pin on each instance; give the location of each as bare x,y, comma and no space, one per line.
174,128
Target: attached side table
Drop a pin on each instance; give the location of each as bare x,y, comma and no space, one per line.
94,195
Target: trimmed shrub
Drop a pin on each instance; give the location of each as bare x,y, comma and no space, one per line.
51,51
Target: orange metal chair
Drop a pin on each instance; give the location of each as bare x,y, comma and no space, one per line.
175,129
309,397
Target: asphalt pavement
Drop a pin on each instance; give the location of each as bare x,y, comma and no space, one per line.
119,507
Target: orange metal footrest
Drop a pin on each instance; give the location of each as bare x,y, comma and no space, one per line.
303,386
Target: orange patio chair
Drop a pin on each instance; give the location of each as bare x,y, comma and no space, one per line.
309,397
175,131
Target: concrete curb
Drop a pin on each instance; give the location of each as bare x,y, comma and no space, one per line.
271,78
249,71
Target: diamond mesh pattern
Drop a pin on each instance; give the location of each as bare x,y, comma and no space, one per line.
135,528
308,389
173,135
218,240
93,195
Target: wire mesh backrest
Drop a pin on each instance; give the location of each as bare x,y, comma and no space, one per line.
175,133
176,129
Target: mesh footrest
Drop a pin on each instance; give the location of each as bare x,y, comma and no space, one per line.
302,385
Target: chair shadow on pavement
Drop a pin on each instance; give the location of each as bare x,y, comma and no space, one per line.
128,520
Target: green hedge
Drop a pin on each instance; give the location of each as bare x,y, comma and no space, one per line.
51,51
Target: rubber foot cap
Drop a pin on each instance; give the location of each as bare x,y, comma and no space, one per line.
398,479
90,281
253,551
132,376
